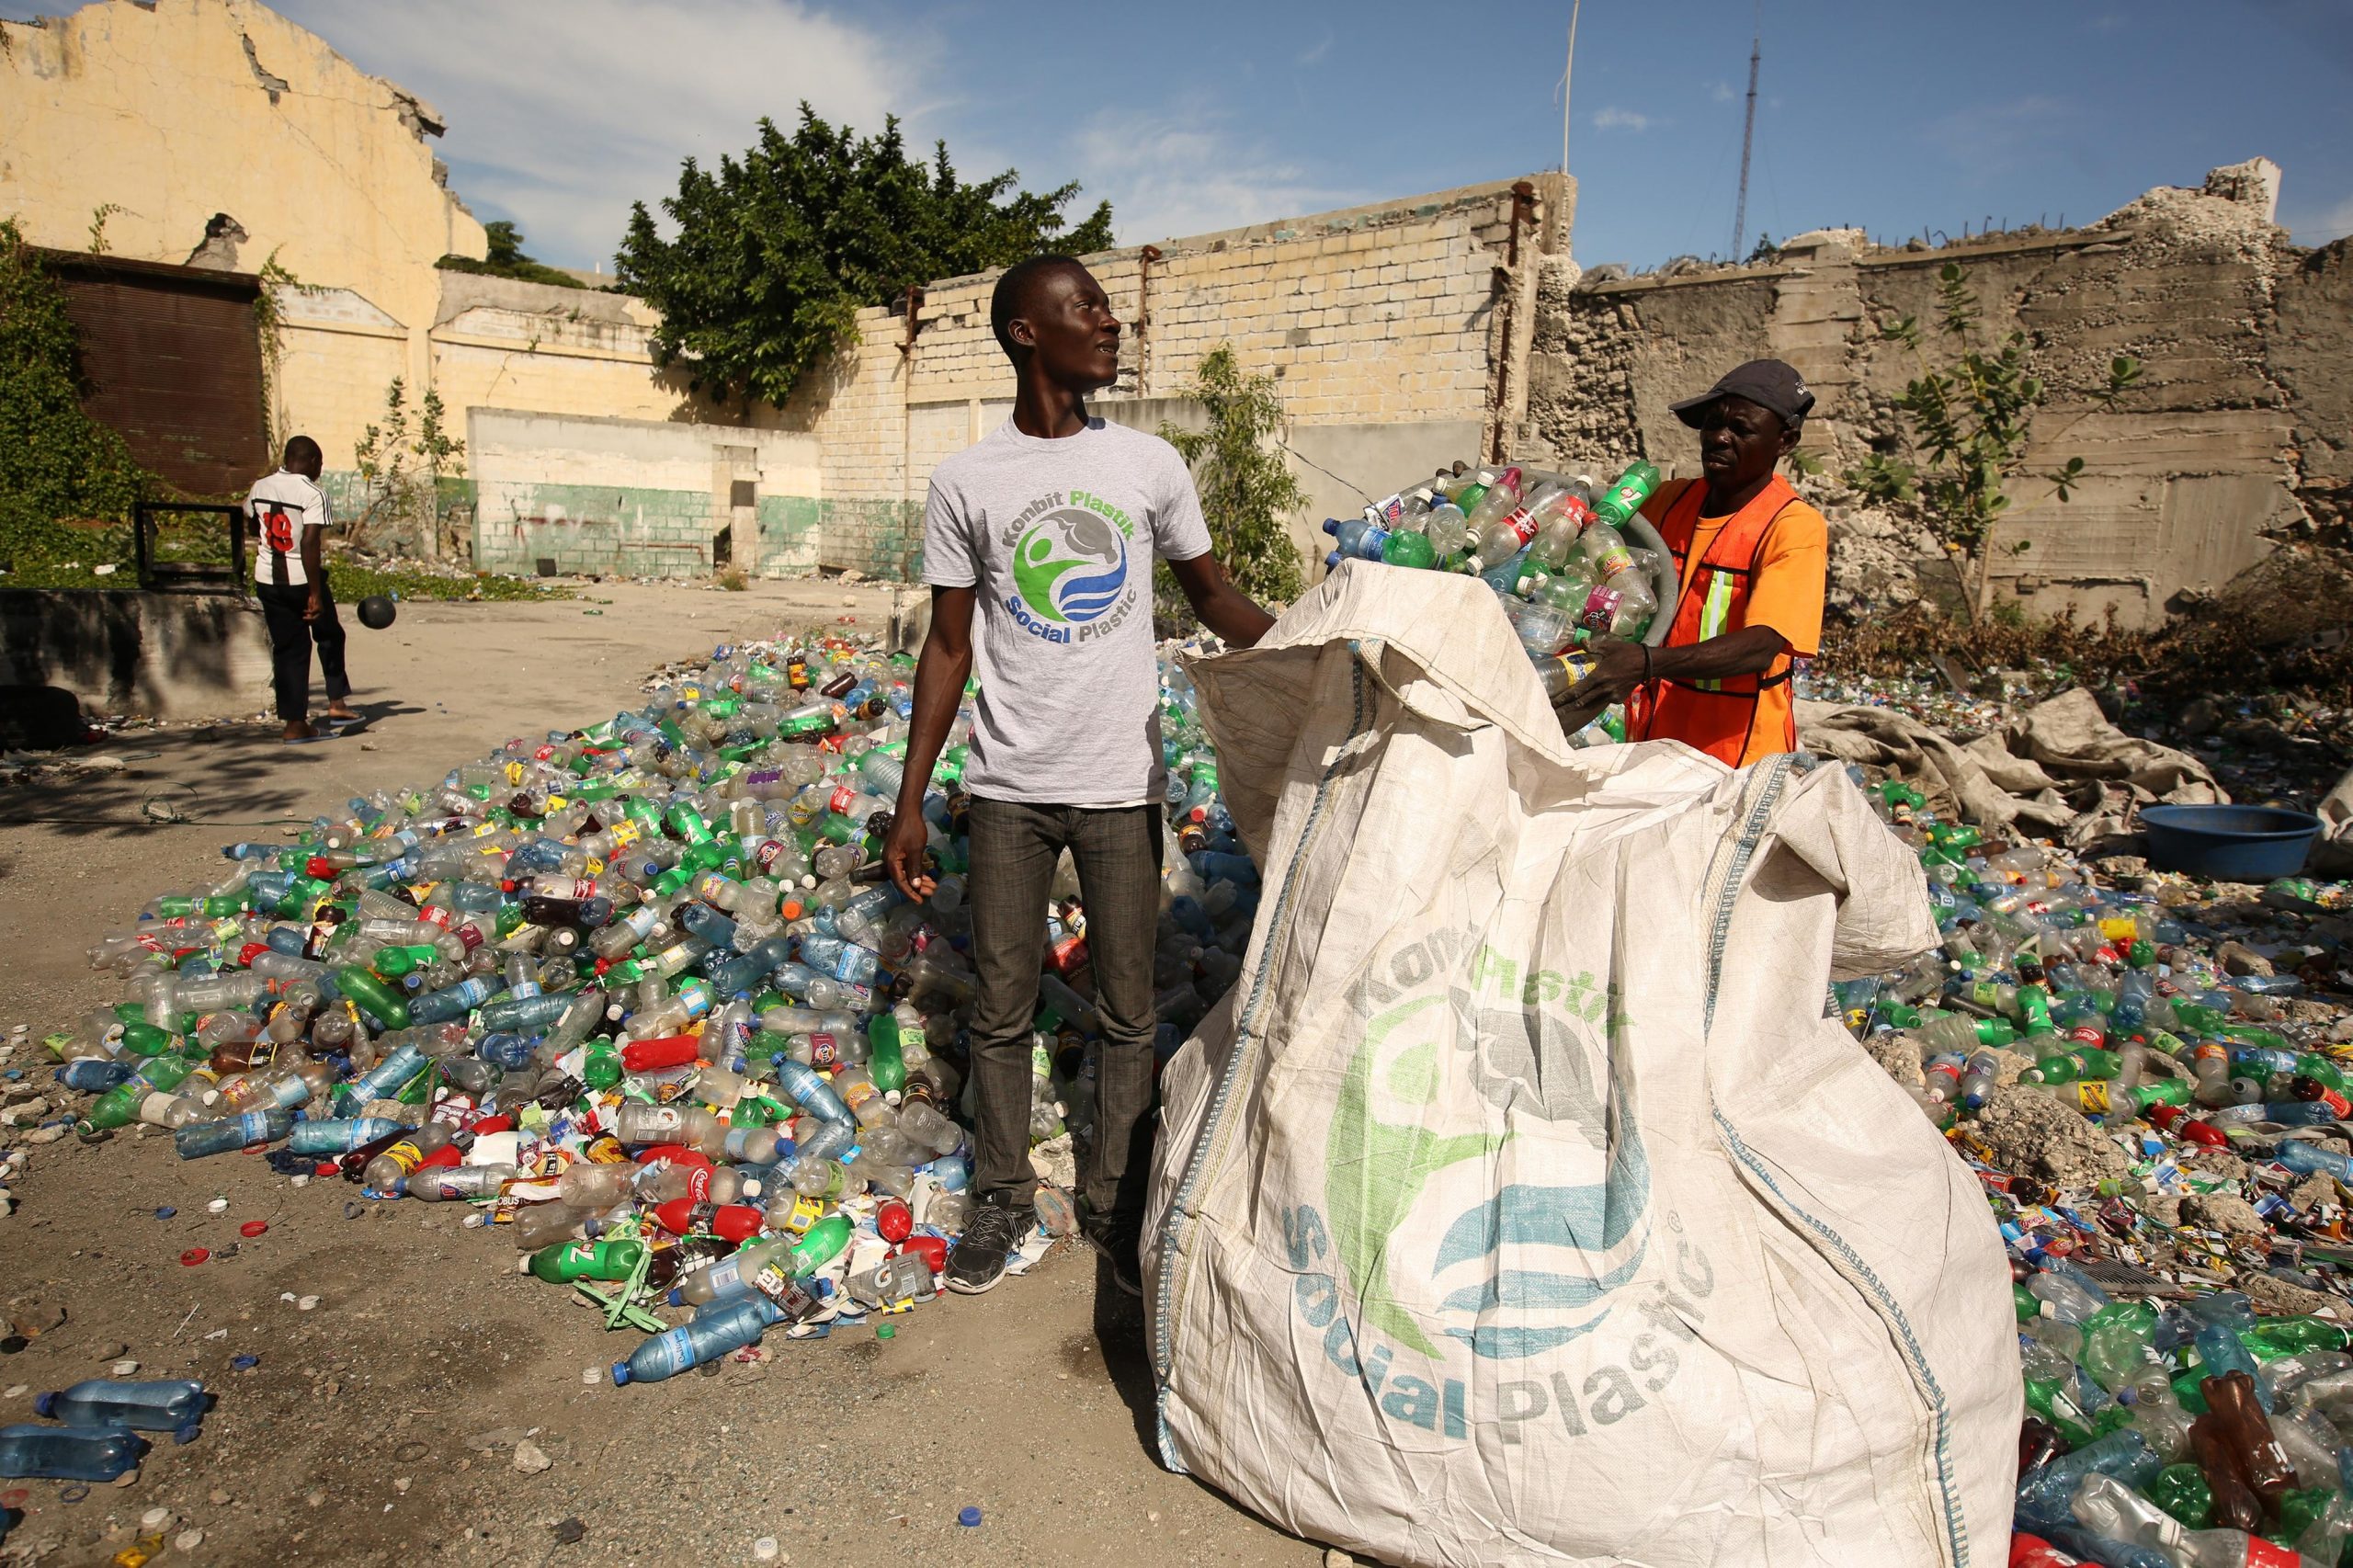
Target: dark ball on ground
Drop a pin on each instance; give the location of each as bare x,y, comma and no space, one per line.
376,611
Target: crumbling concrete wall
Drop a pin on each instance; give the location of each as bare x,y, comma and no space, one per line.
2237,428
1391,330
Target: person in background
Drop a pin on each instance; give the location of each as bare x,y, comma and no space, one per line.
1050,525
288,512
1750,559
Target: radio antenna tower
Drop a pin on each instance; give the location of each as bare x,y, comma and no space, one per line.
1747,137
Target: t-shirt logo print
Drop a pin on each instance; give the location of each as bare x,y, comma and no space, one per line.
1069,566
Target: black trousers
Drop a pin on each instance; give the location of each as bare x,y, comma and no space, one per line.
1014,848
290,647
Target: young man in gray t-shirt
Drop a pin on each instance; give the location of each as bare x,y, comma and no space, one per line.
1050,525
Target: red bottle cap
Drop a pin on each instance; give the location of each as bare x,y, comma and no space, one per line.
252,1227
194,1256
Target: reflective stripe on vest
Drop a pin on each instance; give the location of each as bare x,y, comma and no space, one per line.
1714,611
1727,563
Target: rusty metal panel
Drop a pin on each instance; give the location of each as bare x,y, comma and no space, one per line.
172,359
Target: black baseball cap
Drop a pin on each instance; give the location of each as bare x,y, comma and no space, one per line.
1768,383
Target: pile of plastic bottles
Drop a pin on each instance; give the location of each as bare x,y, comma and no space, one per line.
1553,550
642,996
2173,1420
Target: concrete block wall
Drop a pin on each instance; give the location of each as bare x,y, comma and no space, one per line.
1374,317
637,497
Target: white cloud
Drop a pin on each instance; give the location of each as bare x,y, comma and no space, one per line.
560,112
1313,54
1986,140
1721,91
1181,171
1615,119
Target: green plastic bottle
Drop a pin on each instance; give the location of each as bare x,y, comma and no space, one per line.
602,1068
823,1242
886,1064
2072,1067
2182,1491
395,962
2293,1336
119,1105
1625,497
146,1040
362,987
614,1258
2117,1342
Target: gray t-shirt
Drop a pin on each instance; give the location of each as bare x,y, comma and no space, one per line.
1058,537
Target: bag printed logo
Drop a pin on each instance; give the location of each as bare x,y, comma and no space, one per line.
1445,1218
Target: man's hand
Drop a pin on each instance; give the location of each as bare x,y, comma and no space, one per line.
1617,671
1234,616
903,855
316,605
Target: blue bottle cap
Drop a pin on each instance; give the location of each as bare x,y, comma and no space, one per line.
969,1517
621,1374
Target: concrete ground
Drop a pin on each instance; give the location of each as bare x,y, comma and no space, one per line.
381,1426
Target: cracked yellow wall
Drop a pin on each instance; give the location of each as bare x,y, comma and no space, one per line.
164,113
186,108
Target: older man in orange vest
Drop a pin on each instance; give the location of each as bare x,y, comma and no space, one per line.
1750,559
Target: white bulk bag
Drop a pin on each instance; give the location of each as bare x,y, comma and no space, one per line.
1521,1205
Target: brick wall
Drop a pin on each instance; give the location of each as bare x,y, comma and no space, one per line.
1383,317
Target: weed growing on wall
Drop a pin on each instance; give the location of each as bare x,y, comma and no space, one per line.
1967,423
55,461
400,467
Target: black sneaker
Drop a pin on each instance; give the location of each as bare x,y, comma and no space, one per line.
998,1224
1120,1238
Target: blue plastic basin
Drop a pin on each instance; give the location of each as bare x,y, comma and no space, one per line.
2232,844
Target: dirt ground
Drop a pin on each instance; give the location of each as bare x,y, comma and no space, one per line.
382,1426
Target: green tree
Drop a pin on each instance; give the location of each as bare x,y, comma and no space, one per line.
1968,425
55,461
1247,490
777,250
506,260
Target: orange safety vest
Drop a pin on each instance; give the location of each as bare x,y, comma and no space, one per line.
1729,718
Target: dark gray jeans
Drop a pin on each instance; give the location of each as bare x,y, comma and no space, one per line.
1014,850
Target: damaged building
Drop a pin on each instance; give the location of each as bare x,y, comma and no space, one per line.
1401,333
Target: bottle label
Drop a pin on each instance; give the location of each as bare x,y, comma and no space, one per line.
2092,1094
1614,560
778,1285
825,1050
803,1214
1600,609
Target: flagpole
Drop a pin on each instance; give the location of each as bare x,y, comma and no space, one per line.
1566,73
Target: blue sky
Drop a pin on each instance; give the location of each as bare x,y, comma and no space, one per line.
1893,115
